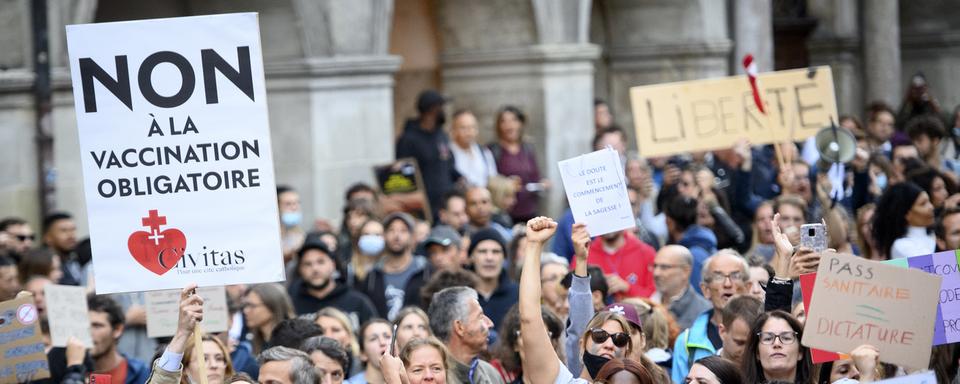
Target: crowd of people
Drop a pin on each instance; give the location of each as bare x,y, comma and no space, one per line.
702,290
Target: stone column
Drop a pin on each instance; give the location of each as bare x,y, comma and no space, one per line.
836,42
331,111
881,51
671,41
753,34
534,55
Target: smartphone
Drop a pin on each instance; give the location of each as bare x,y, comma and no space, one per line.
813,236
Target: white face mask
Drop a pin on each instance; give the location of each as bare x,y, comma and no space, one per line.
291,219
371,245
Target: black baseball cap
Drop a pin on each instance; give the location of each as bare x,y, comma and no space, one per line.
430,98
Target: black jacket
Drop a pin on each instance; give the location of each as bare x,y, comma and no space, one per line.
432,151
344,298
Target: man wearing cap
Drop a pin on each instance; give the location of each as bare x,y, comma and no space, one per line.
318,289
443,253
423,138
386,282
497,292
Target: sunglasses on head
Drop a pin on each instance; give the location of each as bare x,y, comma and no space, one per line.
620,339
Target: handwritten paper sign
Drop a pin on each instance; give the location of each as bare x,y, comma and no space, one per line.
22,355
597,191
67,314
175,150
715,113
884,306
163,310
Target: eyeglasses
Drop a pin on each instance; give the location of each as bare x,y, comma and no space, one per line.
786,338
719,277
620,339
26,237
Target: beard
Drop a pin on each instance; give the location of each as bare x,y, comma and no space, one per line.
317,287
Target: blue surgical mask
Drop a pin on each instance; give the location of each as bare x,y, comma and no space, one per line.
291,219
371,245
881,181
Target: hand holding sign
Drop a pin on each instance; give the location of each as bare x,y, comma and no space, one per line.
190,314
866,358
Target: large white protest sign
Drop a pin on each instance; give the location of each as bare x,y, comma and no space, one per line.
67,314
175,150
163,310
597,192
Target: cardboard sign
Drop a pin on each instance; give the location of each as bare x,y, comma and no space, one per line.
67,314
175,150
709,114
403,190
22,356
885,306
163,311
597,191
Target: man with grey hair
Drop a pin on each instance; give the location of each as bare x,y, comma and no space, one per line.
282,365
457,319
329,357
724,275
671,273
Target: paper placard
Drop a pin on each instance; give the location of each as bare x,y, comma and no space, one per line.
67,314
891,308
597,192
163,306
175,150
22,355
709,114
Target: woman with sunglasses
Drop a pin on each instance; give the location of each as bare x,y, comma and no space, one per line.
774,351
607,338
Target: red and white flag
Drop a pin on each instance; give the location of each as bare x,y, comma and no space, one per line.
751,68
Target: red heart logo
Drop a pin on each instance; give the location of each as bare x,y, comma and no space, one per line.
157,253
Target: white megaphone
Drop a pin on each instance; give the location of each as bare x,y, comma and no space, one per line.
835,145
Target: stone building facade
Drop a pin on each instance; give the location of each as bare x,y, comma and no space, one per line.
343,74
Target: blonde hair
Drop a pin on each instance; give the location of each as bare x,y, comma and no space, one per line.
501,187
347,325
189,348
597,322
431,341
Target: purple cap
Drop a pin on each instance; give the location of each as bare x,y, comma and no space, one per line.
628,311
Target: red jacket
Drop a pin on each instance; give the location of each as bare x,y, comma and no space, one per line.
631,262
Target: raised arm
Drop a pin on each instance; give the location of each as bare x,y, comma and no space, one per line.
541,364
580,298
168,368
